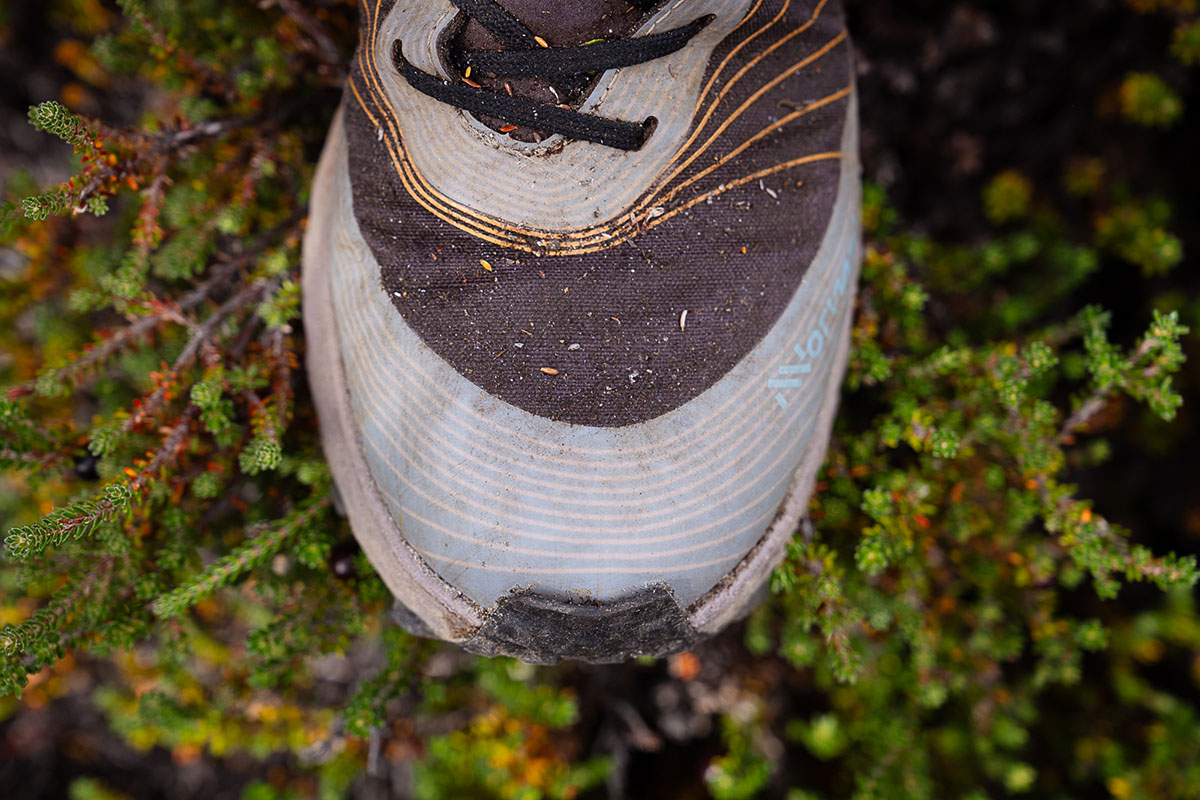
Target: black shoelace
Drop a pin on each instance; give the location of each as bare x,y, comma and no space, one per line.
527,56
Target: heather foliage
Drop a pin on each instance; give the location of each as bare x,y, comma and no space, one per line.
950,622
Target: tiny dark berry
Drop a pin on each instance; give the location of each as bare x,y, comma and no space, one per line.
85,468
341,560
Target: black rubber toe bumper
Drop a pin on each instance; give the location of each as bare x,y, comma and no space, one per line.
541,629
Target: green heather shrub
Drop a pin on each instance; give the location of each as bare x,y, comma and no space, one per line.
1148,100
953,614
1186,46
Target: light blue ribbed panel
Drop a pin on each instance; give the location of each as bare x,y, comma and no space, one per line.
494,497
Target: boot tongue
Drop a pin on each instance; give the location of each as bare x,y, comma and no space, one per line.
560,23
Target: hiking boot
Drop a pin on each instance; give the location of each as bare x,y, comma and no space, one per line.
578,281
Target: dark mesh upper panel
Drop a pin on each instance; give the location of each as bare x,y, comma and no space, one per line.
732,263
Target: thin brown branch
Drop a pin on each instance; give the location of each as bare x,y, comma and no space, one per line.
143,326
1098,400
172,444
8,454
1083,415
203,334
315,30
283,380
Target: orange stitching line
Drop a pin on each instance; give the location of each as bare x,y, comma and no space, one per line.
598,237
728,87
624,230
815,105
762,173
410,189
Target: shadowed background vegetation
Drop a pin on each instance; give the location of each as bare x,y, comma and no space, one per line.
994,594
